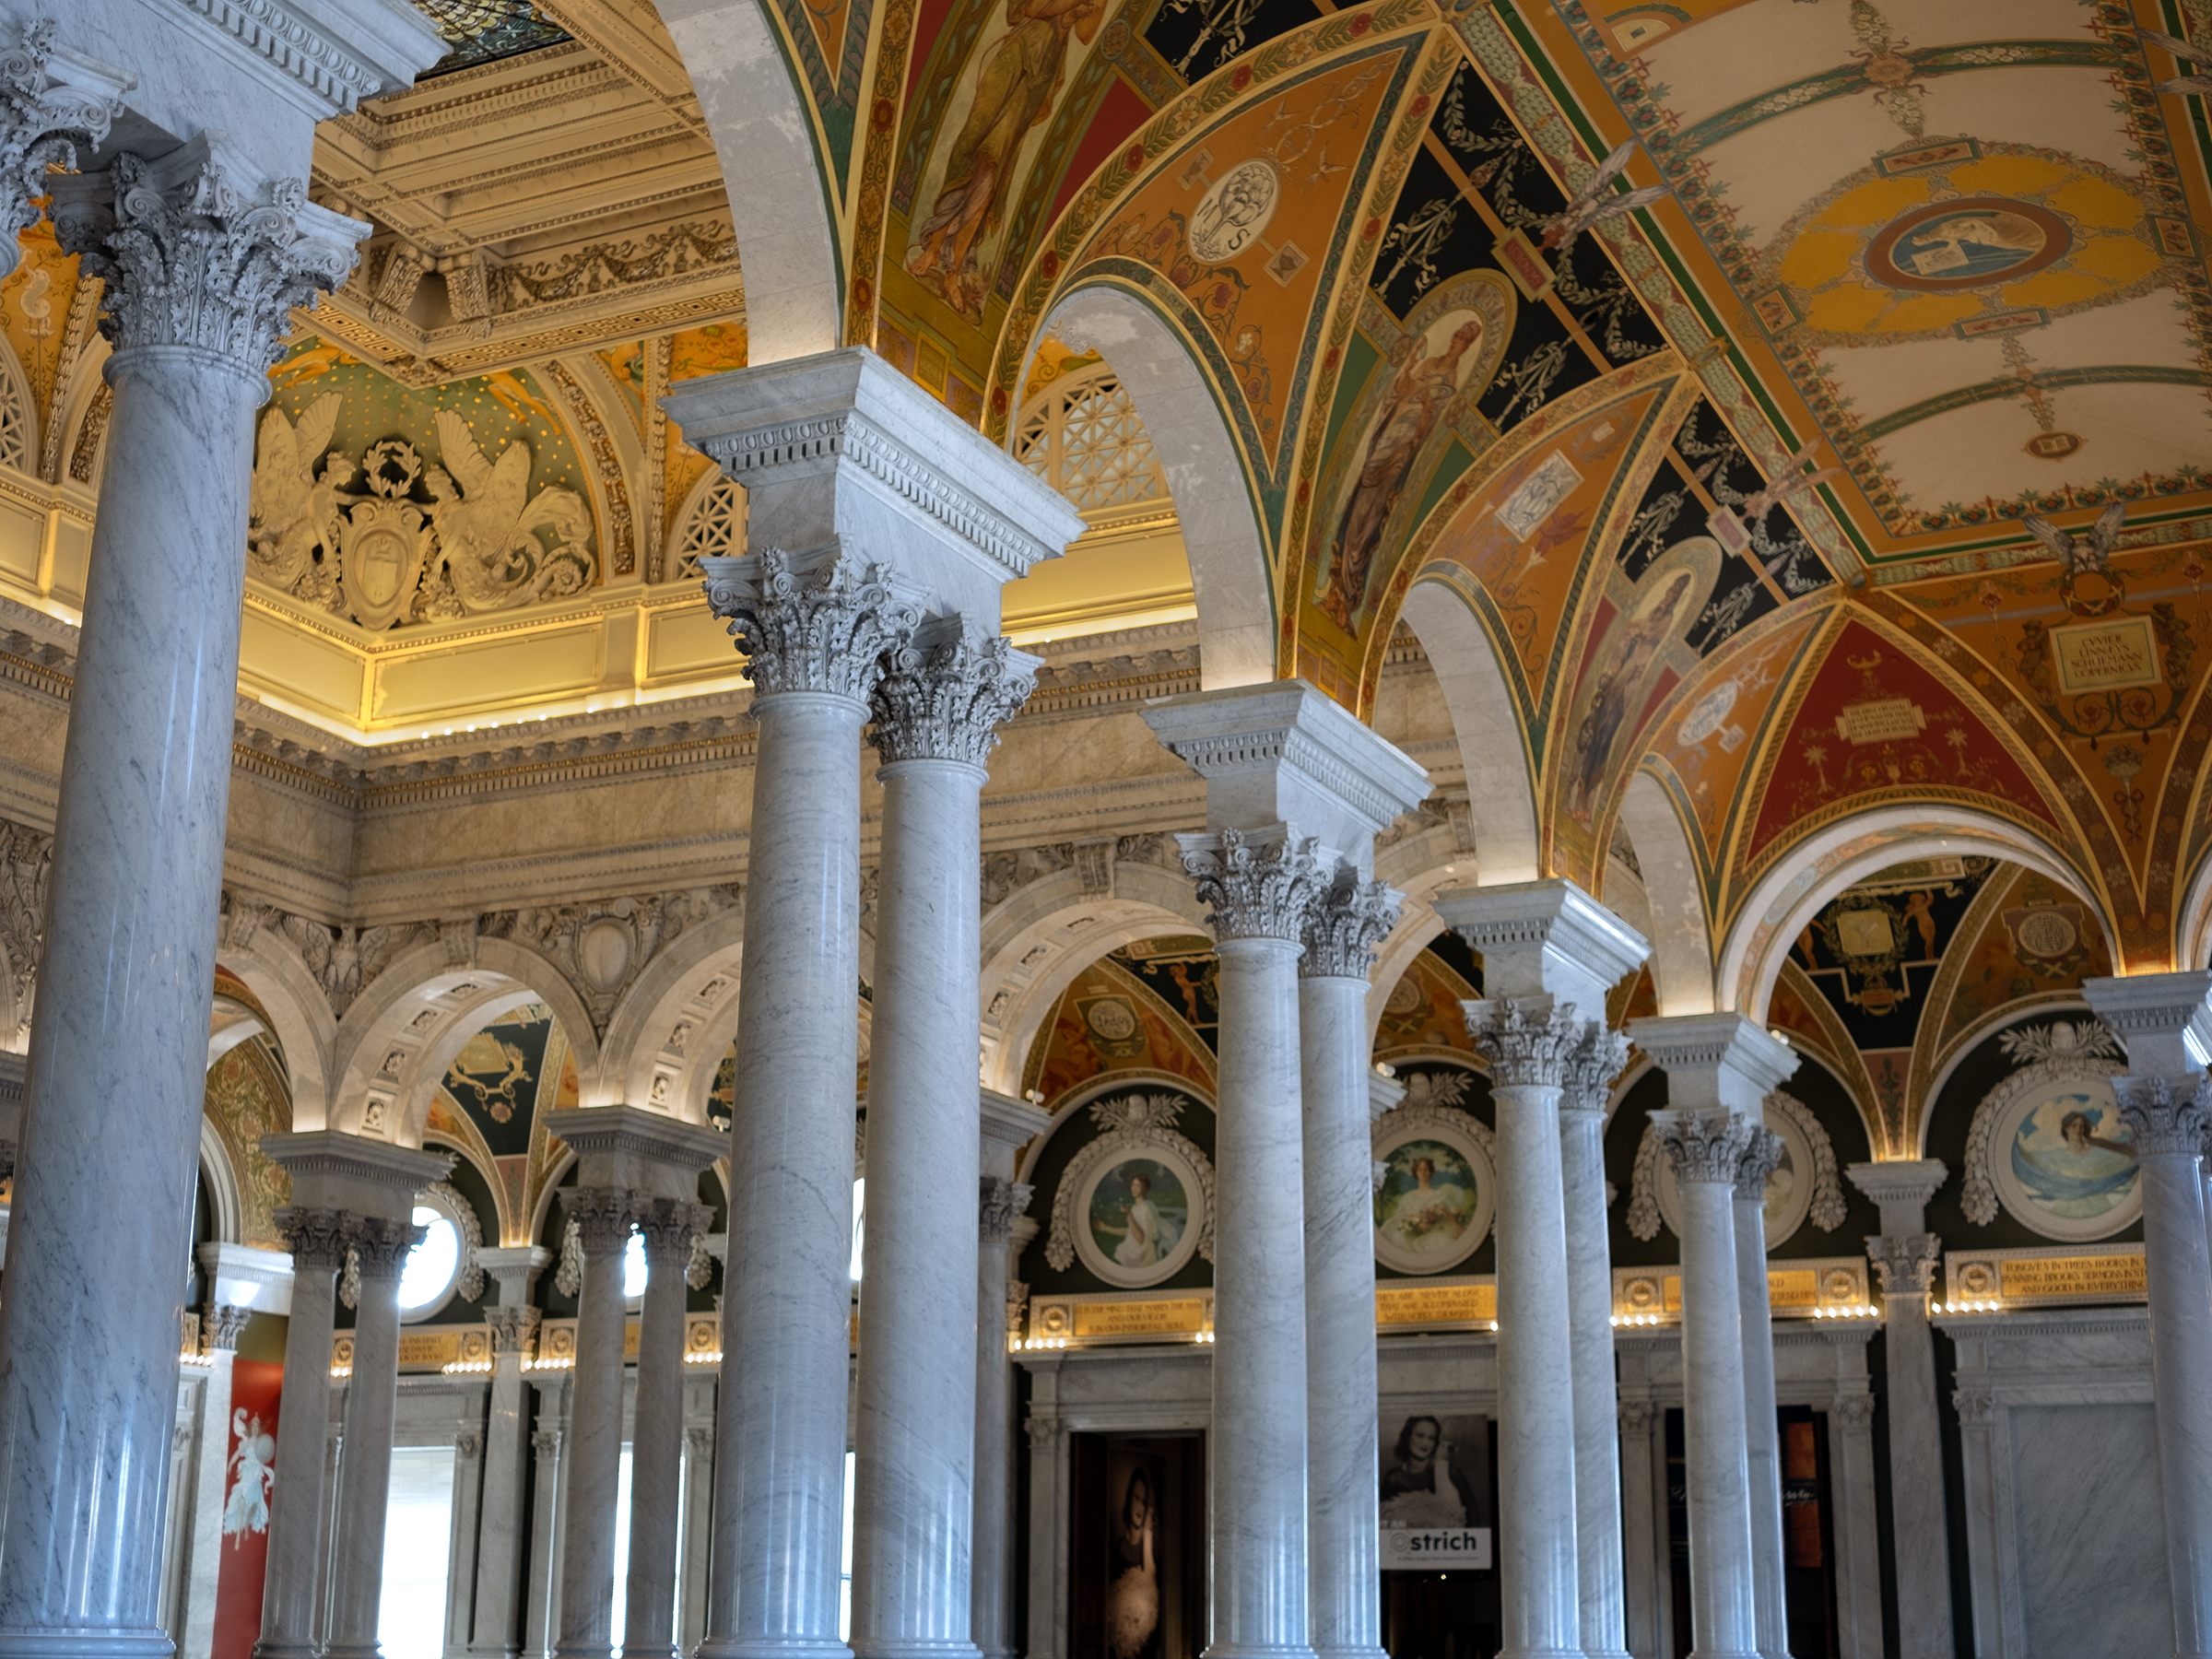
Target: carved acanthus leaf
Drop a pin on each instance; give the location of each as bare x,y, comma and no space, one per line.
825,628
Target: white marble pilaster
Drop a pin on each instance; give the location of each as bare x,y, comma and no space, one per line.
1555,950
381,1247
112,1129
594,1449
1597,1492
1857,1532
462,1533
1905,1258
1006,1123
1341,1102
2165,1020
1726,1063
1642,1467
538,1624
1706,1149
319,1241
221,1324
656,1452
937,710
699,1512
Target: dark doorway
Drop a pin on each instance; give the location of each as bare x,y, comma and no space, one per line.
1137,1542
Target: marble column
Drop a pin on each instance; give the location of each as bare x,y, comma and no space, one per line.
937,710
1257,892
381,1247
1706,1150
1529,1047
1006,1123
1344,1525
1905,1258
1551,953
2165,1021
319,1240
1726,1062
816,643
656,1442
699,1516
112,1128
594,1472
1643,1470
1588,1091
220,1327
538,1632
495,1628
1762,1421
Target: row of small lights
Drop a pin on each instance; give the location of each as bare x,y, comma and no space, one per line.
704,1357
461,1367
554,1362
1968,1307
1639,1319
1851,1311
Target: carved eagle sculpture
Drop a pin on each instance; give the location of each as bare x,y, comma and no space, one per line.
293,512
1596,202
487,521
2086,555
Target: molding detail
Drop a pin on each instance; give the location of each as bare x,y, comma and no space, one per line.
276,31
468,1284
45,121
824,628
1829,1206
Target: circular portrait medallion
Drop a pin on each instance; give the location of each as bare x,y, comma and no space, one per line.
1943,247
2062,1160
1231,216
1139,1216
1433,1208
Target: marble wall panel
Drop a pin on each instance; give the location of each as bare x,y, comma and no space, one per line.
2090,1581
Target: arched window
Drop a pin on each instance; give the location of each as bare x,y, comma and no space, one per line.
712,523
1082,436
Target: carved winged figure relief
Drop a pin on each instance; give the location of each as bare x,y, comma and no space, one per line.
488,524
294,512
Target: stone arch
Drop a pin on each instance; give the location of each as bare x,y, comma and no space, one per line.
1501,792
1850,850
2193,926
227,1222
399,1038
299,1018
672,991
763,136
1420,867
1221,532
1041,938
1672,896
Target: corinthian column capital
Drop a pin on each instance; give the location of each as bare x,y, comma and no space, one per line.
192,257
1529,1043
1906,1262
49,112
944,698
1591,1068
1706,1146
1349,918
1257,887
2166,1116
1763,1151
819,624
1000,1201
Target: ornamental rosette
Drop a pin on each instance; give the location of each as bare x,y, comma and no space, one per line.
190,259
947,702
1591,1068
44,123
1763,1153
1346,924
1704,1147
1528,1046
824,629
2165,1116
1255,890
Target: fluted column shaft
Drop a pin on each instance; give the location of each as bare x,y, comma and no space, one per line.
656,1439
816,646
937,713
1706,1149
991,1600
1600,1575
318,1240
381,1249
1763,1429
1259,891
2169,1119
595,1448
1529,1047
112,1128
495,1627
1342,1478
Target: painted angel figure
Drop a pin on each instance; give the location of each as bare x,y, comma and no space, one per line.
253,1480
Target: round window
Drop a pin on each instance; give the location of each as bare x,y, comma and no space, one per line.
433,1265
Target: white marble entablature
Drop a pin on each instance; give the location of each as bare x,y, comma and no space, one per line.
640,1151
1544,937
334,1171
1721,1062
